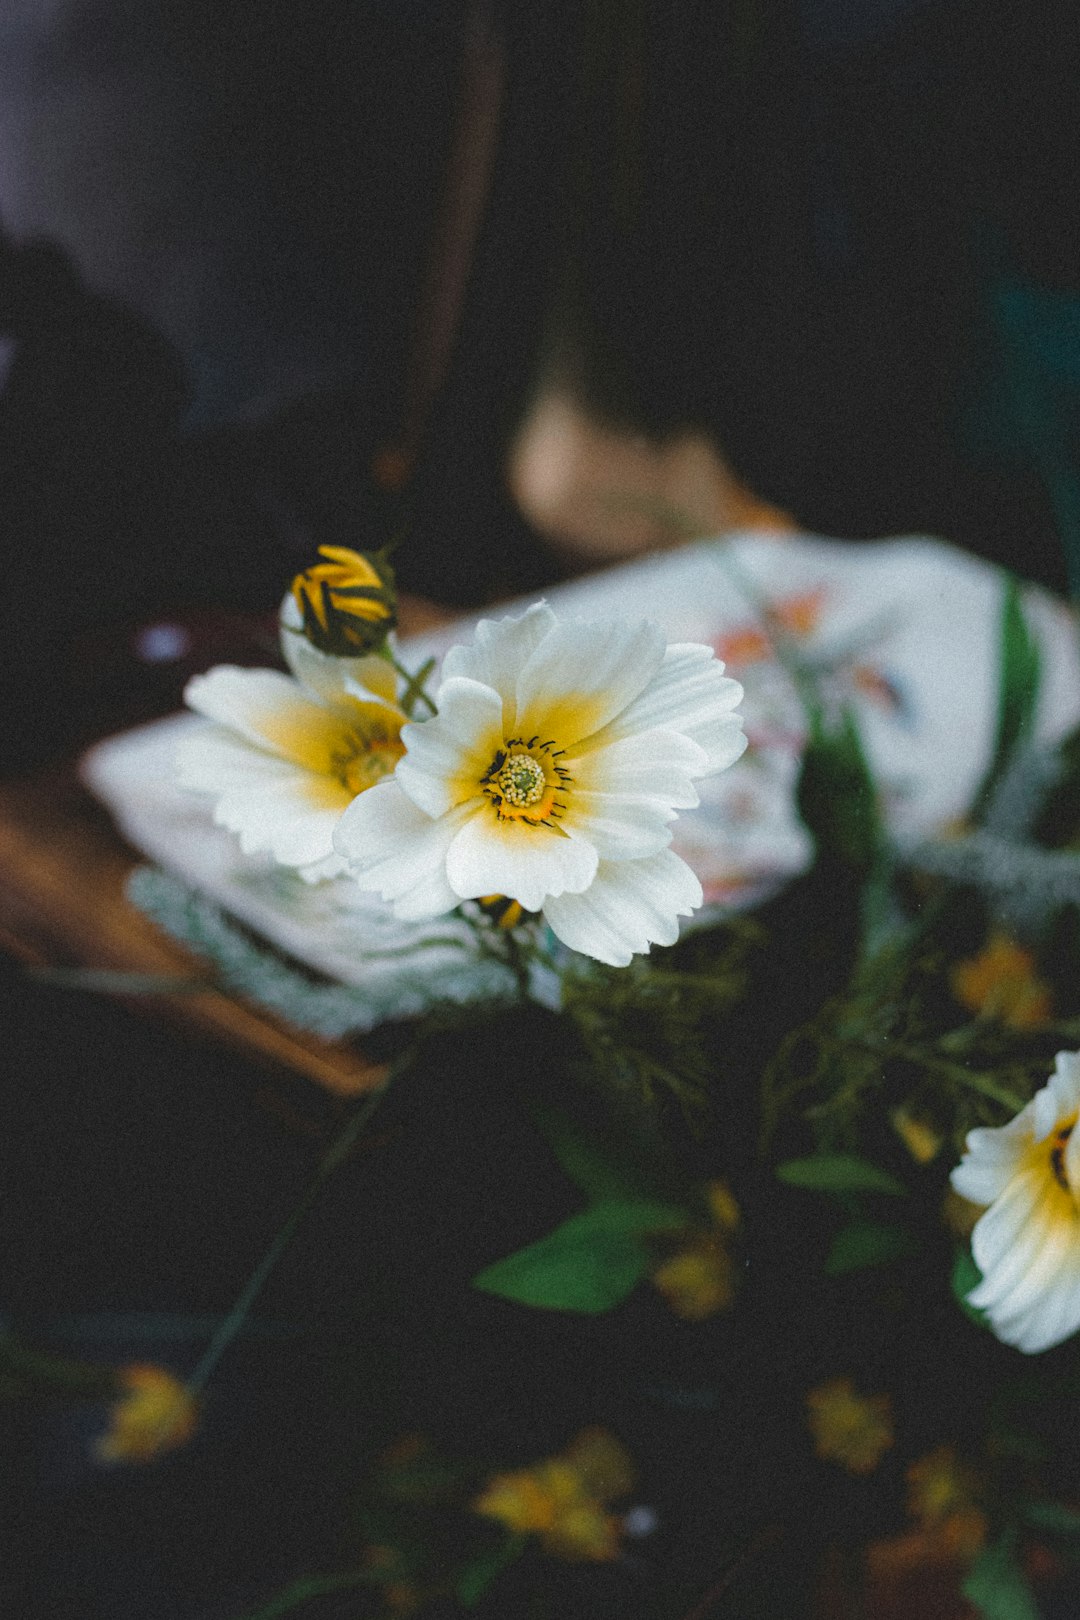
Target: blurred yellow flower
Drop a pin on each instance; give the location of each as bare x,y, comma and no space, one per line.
347,602
564,1499
697,1276
850,1429
156,1413
1001,982
922,1139
940,1486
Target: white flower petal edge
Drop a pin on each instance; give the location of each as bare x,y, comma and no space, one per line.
629,906
1027,1243
559,755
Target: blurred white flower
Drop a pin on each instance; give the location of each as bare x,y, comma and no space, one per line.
1027,1244
560,753
284,755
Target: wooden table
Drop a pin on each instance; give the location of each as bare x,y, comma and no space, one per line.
63,869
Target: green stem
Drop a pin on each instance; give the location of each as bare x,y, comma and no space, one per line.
336,1153
414,683
974,1079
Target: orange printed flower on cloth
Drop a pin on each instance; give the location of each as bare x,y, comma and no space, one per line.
1001,982
156,1413
564,1499
850,1429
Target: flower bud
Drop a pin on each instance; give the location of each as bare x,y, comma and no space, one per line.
348,603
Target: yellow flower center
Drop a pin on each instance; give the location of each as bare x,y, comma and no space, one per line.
363,761
524,782
521,781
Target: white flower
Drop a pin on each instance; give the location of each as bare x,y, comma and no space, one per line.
1027,1244
560,754
285,754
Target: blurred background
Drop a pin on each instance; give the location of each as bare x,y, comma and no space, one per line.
534,287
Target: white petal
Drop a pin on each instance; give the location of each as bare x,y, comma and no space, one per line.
499,651
623,796
1058,1100
447,755
392,847
270,803
268,708
490,856
280,819
629,906
1054,1316
691,694
1007,1240
581,675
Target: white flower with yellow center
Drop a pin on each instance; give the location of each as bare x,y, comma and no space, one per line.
284,755
1027,1244
559,755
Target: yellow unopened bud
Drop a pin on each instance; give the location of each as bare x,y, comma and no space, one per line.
503,911
156,1413
348,602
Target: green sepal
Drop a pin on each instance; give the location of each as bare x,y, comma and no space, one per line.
965,1277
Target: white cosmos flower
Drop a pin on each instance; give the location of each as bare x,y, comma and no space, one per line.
1027,1244
285,754
560,753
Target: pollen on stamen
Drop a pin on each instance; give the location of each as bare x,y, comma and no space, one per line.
521,781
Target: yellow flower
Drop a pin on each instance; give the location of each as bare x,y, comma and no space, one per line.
564,1499
156,1413
348,603
697,1281
1001,982
852,1430
940,1486
697,1278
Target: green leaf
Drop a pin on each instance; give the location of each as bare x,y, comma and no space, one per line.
1019,675
589,1263
839,1173
1053,1517
477,1575
865,1244
996,1584
966,1276
837,797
